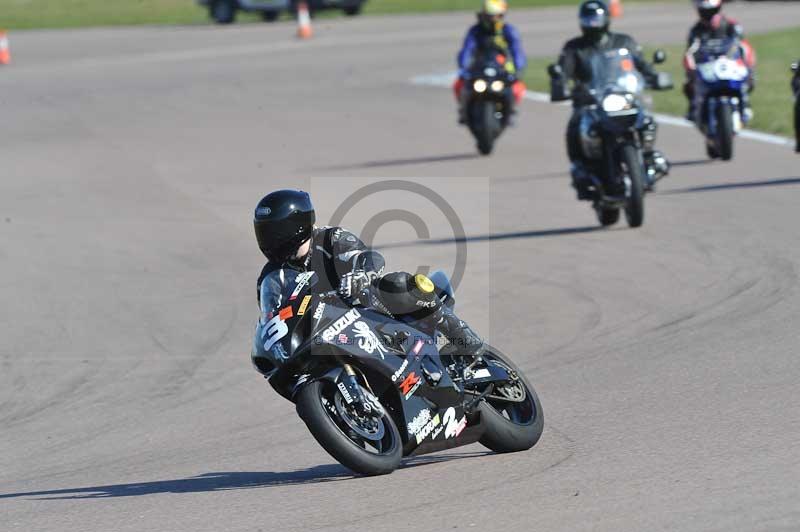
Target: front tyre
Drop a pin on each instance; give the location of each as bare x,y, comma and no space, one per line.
369,447
634,189
485,127
725,131
514,425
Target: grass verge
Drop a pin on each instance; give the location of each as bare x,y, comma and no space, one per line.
31,14
772,100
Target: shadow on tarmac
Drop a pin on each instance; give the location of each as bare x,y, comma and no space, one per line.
236,480
732,186
403,162
542,233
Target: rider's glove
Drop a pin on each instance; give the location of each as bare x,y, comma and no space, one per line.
353,284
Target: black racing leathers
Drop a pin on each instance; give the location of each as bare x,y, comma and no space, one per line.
336,252
575,62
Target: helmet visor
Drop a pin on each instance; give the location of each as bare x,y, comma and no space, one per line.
595,18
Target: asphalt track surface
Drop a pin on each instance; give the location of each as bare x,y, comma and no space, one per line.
666,357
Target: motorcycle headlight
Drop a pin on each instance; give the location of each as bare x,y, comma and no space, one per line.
498,85
479,85
615,102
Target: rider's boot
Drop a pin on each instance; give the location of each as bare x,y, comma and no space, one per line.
657,167
458,333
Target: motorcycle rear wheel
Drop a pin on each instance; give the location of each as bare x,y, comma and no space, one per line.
316,407
607,216
511,427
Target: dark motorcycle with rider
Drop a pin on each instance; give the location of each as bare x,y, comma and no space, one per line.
488,86
378,365
611,135
796,90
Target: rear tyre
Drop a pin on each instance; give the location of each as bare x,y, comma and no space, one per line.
223,11
485,132
270,16
725,132
511,427
607,216
318,408
634,168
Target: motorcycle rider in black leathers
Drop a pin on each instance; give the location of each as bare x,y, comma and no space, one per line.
575,67
286,234
796,90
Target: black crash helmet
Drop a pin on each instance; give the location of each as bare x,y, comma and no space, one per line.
283,220
594,19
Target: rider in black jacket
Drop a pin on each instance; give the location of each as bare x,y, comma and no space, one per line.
575,64
286,234
796,90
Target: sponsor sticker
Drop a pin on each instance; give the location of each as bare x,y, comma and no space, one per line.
426,304
418,347
302,281
272,331
427,429
347,397
452,426
343,339
320,310
400,371
368,340
410,384
419,421
285,313
304,306
481,373
341,324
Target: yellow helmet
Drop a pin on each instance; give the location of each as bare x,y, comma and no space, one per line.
495,7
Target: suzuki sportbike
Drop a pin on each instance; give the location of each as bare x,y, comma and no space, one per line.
617,136
372,389
489,99
720,89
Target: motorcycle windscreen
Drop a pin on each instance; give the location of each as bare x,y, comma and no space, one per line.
614,71
284,302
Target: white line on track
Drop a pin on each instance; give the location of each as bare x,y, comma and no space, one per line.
446,80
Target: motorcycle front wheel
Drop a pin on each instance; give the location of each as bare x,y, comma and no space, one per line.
366,446
515,424
725,132
486,127
634,169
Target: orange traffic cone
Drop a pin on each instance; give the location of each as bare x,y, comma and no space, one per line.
5,52
304,30
615,8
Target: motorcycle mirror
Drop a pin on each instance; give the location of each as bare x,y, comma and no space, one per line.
659,56
554,70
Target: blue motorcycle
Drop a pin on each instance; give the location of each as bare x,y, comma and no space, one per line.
721,92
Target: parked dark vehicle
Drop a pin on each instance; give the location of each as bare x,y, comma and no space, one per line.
796,90
372,389
490,99
612,127
224,11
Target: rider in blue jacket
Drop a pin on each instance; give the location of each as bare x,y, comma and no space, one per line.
491,30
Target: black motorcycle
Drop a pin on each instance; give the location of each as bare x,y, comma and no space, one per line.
796,90
615,129
372,389
489,100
